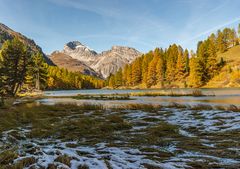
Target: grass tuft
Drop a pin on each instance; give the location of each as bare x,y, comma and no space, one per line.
64,159
233,108
7,157
84,166
197,93
201,107
194,93
26,162
103,97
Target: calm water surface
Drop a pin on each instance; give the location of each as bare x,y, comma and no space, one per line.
223,97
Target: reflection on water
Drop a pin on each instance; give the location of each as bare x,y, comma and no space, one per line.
222,97
217,92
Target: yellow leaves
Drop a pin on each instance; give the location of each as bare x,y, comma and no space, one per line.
235,76
50,82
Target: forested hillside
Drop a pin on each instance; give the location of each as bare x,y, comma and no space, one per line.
22,69
229,75
178,67
216,63
7,33
64,79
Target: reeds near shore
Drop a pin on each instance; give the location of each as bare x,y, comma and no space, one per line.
194,93
103,97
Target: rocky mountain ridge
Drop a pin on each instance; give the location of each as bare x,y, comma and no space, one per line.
80,52
104,64
65,61
7,33
77,57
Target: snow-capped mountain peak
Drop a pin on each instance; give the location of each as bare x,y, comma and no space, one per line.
78,51
105,63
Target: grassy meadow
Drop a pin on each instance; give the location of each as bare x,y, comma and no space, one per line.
141,136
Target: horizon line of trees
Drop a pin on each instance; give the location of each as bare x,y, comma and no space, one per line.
60,78
175,66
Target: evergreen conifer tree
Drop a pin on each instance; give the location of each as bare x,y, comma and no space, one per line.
15,60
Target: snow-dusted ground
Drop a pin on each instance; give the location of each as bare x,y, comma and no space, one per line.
46,152
206,124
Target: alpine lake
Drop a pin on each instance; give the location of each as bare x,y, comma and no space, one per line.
122,129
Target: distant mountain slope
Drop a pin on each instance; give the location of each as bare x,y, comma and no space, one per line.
104,64
80,52
65,61
226,77
112,60
7,33
78,57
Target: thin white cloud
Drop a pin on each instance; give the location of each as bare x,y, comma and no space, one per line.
208,13
204,20
127,39
99,7
135,25
112,9
213,29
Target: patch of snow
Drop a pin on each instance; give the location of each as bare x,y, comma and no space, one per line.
185,133
95,156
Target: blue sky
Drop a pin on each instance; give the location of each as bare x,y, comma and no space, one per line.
100,24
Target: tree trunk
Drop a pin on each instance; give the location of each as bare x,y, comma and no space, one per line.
2,100
16,89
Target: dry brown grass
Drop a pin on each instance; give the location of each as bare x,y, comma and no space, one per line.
226,76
